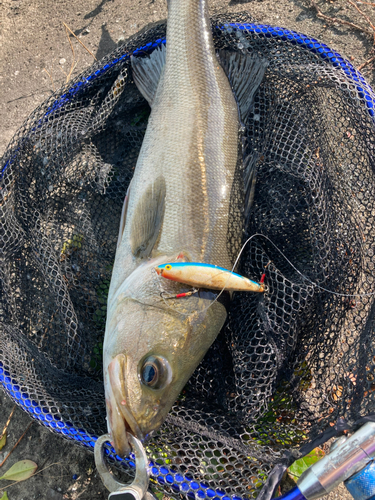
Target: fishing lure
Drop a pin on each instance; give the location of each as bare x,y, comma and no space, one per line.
199,275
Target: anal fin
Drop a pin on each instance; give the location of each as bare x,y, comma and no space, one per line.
250,175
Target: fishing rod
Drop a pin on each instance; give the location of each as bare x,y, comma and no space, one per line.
350,460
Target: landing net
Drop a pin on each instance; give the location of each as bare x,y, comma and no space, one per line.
291,367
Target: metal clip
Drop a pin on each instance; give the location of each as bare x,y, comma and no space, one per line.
137,490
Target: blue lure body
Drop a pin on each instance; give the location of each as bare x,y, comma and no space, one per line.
201,275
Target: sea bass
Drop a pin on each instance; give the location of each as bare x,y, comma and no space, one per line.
177,206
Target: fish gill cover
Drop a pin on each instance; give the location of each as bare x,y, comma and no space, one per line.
291,367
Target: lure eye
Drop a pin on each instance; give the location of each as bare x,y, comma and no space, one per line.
168,267
155,372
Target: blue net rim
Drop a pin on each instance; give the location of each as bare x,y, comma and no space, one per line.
263,30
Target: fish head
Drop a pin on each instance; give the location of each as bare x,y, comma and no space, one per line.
152,346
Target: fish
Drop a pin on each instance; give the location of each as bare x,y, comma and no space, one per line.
208,276
178,202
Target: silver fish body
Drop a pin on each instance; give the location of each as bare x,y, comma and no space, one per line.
191,144
179,202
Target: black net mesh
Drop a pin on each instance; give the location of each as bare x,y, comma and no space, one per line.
289,364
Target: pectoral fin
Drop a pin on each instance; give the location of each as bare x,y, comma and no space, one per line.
123,216
147,72
245,73
148,219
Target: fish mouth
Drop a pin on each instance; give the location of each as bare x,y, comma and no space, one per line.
121,420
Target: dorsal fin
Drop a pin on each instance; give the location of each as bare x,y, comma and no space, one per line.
148,218
245,73
147,72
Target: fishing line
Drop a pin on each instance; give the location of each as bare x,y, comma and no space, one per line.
306,278
302,275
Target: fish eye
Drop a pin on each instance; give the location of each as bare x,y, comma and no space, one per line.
154,372
168,267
